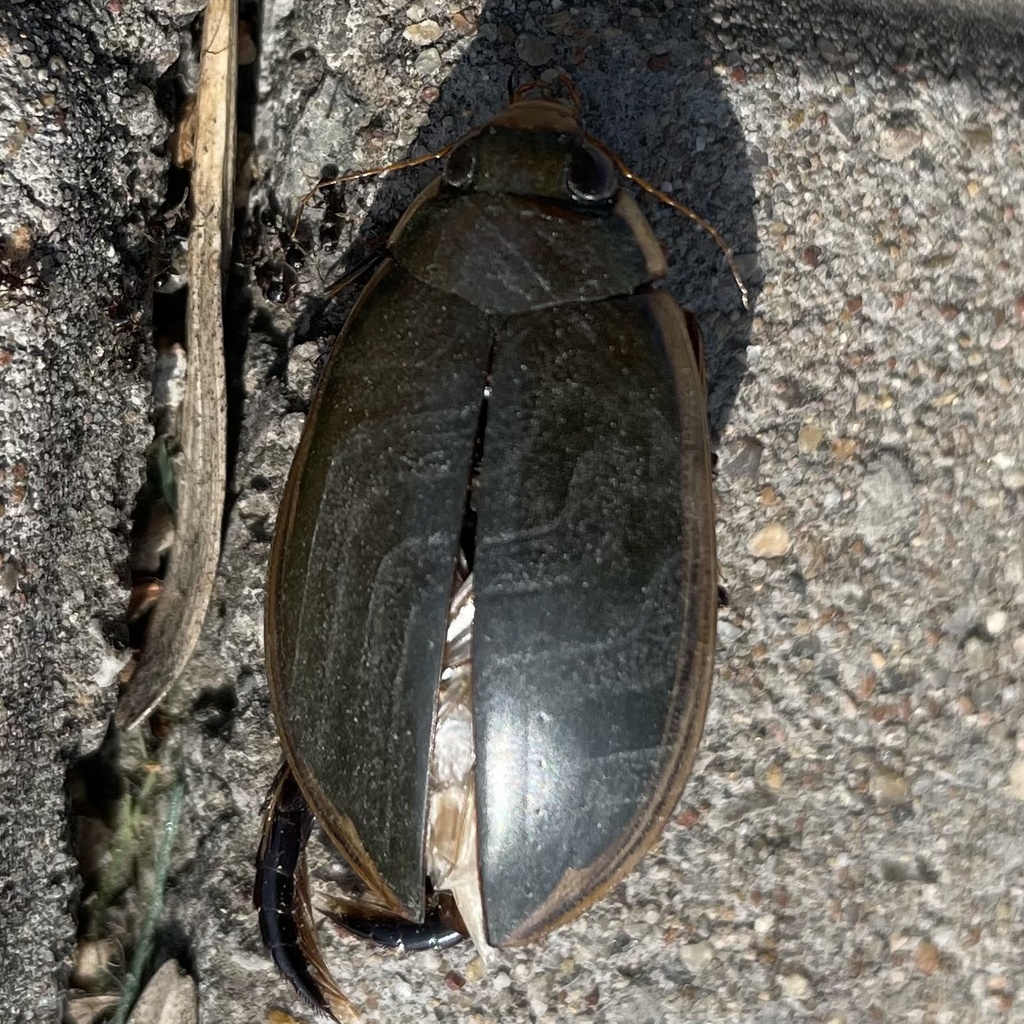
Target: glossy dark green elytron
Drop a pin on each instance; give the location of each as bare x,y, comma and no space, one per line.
594,565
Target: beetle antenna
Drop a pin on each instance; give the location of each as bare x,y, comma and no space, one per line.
370,172
682,208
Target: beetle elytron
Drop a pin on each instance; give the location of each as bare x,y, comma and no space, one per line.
508,451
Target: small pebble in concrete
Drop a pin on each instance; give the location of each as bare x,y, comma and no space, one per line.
1017,779
696,956
995,622
423,33
795,986
476,969
811,435
534,50
926,956
888,787
773,541
428,62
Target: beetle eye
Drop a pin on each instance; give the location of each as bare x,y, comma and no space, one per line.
460,166
592,177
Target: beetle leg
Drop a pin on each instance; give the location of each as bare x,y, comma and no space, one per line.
281,898
441,929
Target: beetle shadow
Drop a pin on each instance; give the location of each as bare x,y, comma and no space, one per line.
659,106
650,82
662,110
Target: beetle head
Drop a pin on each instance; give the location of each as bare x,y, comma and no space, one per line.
534,148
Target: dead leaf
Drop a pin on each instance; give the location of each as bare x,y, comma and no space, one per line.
89,1009
178,616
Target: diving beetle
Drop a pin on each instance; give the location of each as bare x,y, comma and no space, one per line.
490,620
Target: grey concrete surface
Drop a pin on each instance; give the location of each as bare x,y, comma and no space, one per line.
849,847
77,121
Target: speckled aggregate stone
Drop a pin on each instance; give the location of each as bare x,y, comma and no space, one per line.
849,847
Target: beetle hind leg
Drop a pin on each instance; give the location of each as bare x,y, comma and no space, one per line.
441,928
281,898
